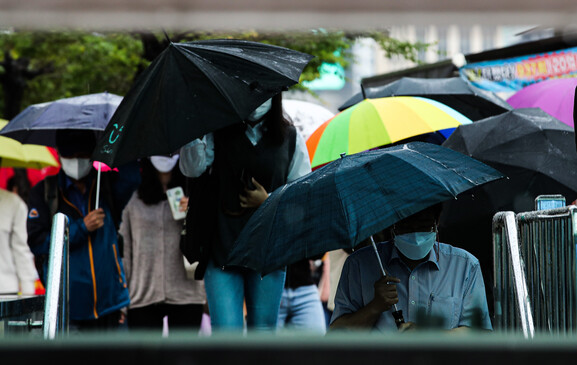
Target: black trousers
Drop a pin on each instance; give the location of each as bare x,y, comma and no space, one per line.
109,322
179,316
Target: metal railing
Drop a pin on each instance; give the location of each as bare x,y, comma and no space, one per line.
535,272
511,298
548,246
56,302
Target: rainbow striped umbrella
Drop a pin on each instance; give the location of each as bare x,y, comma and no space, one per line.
379,122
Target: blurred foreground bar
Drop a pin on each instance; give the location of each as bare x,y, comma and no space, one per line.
277,15
298,349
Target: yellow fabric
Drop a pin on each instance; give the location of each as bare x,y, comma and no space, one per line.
16,154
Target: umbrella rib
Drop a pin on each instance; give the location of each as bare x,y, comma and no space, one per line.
442,164
221,89
239,56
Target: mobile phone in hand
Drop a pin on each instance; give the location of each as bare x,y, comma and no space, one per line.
174,196
246,180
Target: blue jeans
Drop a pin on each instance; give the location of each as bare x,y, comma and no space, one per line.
226,291
301,309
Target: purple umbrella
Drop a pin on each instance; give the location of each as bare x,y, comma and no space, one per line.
554,96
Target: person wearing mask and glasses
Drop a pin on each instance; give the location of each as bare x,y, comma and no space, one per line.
435,285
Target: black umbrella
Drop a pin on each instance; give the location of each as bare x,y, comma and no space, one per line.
455,92
537,154
192,89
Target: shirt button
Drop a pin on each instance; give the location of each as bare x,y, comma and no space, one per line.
413,277
412,302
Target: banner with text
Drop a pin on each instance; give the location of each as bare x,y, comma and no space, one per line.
513,74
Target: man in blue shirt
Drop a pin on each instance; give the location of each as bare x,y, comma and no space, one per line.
434,284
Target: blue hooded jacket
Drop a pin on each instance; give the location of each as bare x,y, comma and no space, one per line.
96,274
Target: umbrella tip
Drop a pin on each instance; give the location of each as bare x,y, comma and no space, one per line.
343,154
166,36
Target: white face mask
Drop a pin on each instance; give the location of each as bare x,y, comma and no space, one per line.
259,112
76,168
415,245
164,163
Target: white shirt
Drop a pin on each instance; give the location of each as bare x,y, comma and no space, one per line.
198,155
17,270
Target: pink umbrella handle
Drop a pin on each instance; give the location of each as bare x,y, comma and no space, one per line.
100,166
104,167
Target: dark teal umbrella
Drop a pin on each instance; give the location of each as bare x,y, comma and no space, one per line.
350,199
192,89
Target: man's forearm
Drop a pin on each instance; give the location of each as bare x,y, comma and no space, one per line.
364,318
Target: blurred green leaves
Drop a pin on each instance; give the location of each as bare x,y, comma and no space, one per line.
68,63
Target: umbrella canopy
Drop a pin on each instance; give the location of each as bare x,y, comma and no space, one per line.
346,201
306,116
535,151
18,155
525,138
192,89
38,123
378,122
455,92
555,96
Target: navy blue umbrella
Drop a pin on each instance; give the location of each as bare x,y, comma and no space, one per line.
350,199
38,123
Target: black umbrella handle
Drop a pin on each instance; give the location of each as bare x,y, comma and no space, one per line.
398,316
398,313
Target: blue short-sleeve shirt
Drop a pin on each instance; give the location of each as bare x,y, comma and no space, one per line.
446,290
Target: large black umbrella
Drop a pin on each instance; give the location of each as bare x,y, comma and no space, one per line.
537,154
455,92
192,89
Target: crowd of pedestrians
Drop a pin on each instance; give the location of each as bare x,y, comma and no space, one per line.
127,267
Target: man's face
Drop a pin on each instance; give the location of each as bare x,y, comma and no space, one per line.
423,221
76,165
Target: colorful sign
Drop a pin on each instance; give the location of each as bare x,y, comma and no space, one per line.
513,74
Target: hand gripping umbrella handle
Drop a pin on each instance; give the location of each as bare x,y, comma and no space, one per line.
397,314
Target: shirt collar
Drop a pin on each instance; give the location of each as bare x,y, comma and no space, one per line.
432,257
254,134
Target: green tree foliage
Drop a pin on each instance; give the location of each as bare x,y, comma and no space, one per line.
70,63
75,63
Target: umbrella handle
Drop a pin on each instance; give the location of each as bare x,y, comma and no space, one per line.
397,314
98,186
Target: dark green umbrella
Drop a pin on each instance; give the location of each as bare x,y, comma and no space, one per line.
350,199
192,89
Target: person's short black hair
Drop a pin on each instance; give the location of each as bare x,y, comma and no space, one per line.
70,142
150,190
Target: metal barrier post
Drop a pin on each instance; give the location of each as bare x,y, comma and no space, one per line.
509,274
56,302
548,239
